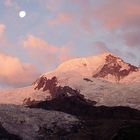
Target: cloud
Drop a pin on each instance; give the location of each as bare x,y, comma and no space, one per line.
72,16
14,73
116,14
8,3
132,38
11,3
2,30
61,18
101,47
112,15
4,41
3,38
51,5
46,54
121,16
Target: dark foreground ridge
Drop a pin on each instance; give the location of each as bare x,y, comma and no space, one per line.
97,123
77,105
4,135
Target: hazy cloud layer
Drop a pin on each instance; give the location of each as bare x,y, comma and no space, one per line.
45,53
15,73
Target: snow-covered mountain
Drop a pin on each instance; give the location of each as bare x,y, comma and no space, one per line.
105,66
105,78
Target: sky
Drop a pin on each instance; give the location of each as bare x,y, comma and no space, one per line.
54,31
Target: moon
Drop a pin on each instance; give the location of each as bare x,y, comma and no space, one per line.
22,14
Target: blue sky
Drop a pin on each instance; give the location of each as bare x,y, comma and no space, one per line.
54,31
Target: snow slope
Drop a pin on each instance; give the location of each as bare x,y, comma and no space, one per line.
104,90
19,95
91,66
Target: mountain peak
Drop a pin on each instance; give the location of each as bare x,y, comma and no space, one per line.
83,62
105,66
106,54
116,67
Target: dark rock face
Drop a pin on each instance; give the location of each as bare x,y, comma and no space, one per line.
97,123
87,79
79,106
28,101
56,91
47,84
4,135
130,131
112,67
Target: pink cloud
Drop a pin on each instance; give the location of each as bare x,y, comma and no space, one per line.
101,47
33,42
3,39
70,16
11,3
15,73
121,16
2,31
8,3
113,15
4,42
45,53
62,18
116,14
132,38
51,5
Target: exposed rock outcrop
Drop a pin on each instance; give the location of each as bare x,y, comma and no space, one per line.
54,89
116,67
